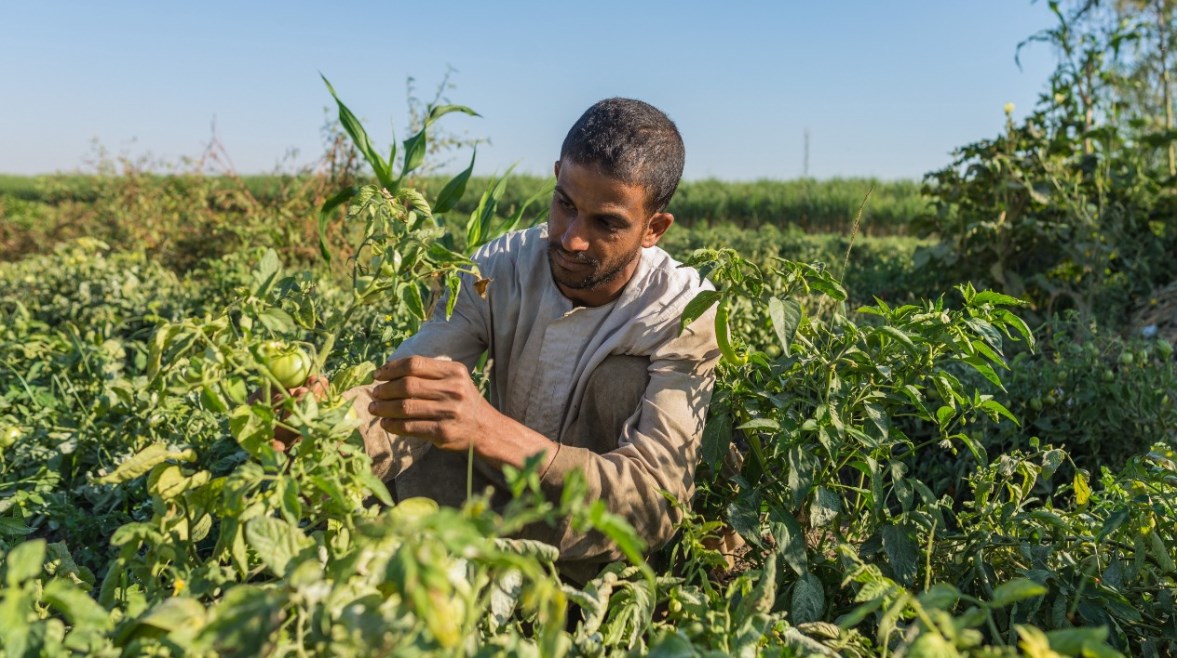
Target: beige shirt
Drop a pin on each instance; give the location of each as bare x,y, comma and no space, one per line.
542,351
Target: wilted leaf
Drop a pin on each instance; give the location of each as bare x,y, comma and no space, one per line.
1082,488
825,507
147,459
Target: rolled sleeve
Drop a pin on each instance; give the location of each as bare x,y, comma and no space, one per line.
656,455
461,337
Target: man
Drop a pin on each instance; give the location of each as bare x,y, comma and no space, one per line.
587,367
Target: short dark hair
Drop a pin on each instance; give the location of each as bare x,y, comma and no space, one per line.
631,141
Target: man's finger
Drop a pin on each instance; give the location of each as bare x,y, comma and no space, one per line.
416,366
405,409
430,430
410,387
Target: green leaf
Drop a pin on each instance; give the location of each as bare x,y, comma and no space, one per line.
697,307
1091,641
353,376
277,321
743,513
982,366
1113,523
808,601
902,552
267,273
276,542
174,614
411,295
24,562
761,425
414,153
1015,590
931,645
82,611
790,539
944,414
478,226
438,111
996,299
454,189
242,622
941,596
997,408
512,222
785,317
717,438
359,137
375,486
900,336
453,284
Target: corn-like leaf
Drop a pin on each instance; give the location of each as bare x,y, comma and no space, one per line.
439,111
359,137
453,190
414,153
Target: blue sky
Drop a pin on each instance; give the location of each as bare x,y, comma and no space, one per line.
885,89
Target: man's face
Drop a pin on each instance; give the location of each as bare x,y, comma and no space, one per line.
596,231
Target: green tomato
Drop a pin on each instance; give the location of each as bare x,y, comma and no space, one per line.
290,365
8,436
1109,375
1164,349
1126,358
1036,403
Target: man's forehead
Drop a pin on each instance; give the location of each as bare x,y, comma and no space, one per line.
577,179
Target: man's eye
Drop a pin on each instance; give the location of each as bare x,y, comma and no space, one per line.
564,203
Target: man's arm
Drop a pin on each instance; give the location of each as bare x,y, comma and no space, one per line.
437,401
462,338
657,452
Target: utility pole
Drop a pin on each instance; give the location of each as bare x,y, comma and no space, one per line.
805,161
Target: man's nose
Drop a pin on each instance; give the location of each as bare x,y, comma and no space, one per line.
574,240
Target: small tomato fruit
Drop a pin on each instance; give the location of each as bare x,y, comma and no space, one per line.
290,365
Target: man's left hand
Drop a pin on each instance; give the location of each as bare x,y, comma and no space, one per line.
433,399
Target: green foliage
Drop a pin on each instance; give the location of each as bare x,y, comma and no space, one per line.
1071,208
1089,386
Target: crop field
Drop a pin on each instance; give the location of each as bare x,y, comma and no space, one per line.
944,422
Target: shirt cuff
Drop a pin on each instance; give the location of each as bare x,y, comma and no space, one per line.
566,459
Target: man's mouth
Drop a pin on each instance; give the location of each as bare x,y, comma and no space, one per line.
569,261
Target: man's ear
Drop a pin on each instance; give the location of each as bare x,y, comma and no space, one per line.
657,226
557,168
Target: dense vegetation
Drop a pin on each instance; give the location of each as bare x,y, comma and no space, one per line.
953,445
